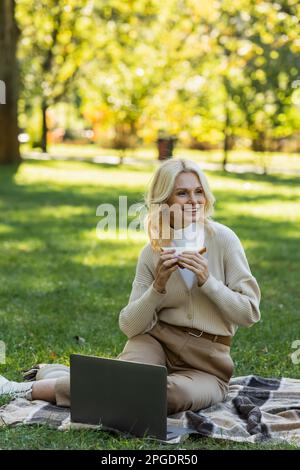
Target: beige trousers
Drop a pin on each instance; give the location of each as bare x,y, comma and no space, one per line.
198,369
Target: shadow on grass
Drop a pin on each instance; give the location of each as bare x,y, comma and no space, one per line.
259,178
7,174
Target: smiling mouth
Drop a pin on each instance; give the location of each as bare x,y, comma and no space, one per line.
191,210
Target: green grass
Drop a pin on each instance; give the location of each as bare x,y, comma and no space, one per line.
275,161
58,280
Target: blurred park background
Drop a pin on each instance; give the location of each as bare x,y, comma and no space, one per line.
109,78
98,93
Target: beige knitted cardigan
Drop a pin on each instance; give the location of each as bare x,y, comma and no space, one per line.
229,298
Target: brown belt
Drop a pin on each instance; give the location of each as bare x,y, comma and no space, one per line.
215,338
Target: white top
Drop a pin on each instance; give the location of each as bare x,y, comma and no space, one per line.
191,238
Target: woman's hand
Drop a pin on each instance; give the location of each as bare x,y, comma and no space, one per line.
166,265
196,263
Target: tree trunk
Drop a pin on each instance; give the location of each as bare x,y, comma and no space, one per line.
259,145
227,141
44,126
9,144
259,142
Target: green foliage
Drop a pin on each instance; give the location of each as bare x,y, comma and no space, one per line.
201,70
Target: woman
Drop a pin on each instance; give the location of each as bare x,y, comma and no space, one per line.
184,307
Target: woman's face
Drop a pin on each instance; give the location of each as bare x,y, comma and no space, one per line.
188,197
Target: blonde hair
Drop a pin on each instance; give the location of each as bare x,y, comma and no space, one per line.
160,189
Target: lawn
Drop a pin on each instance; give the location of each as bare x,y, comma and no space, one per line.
275,161
59,280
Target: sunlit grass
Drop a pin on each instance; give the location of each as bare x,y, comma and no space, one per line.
273,160
61,278
59,174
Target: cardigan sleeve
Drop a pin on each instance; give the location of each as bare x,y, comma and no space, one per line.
140,314
239,298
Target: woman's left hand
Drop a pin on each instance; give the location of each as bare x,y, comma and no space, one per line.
196,263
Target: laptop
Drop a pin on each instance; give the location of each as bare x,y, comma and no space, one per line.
130,397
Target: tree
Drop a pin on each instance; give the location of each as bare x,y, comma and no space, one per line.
9,145
272,73
126,70
204,69
255,49
56,44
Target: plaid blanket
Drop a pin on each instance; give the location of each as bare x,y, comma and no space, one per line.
256,409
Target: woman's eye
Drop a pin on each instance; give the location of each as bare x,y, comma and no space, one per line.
183,193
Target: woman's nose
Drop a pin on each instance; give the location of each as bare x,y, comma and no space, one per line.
193,199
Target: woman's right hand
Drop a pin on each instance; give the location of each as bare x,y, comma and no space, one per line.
166,265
